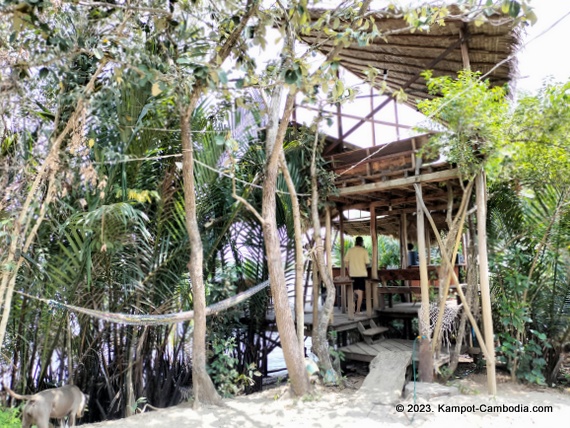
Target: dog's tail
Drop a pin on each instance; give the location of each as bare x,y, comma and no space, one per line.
18,396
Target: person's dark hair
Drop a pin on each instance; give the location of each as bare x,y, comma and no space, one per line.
410,246
359,241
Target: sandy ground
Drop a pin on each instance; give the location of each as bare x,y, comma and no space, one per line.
333,407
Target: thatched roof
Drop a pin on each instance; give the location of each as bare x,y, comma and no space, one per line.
401,55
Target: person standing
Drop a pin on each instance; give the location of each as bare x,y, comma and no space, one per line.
357,260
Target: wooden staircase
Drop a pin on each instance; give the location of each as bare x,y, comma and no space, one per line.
373,334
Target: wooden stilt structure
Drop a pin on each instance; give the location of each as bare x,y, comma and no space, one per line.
381,177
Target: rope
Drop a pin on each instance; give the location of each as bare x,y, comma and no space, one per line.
145,319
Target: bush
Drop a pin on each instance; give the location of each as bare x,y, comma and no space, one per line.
10,418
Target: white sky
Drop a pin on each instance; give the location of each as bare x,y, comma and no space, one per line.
546,52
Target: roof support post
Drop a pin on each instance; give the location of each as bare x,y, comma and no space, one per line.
481,200
341,226
328,242
404,262
426,359
374,263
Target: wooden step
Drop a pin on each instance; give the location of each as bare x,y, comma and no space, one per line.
374,331
369,333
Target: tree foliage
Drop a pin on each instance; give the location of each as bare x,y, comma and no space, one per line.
472,115
524,147
539,131
92,211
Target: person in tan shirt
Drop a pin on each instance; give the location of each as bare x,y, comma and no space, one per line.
357,259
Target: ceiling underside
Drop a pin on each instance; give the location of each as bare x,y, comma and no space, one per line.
387,178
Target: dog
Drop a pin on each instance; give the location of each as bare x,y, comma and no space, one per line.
56,403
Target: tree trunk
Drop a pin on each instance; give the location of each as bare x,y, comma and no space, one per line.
294,358
204,390
320,328
22,237
471,276
299,259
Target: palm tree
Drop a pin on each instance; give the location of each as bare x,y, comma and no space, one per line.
529,255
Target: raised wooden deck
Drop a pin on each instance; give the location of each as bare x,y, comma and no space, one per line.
341,322
364,352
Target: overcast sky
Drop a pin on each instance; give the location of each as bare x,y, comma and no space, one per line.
546,50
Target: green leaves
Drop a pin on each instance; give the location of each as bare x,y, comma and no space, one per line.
474,114
540,138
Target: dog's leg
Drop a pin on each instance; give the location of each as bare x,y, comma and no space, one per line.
26,422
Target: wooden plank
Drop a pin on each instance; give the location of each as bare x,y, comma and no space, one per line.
399,182
404,346
360,351
386,379
374,331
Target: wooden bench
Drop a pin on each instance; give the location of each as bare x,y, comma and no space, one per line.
370,334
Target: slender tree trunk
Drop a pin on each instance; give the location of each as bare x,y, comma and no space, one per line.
471,275
22,237
129,384
320,328
292,352
299,259
204,390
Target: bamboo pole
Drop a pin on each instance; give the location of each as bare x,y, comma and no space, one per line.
466,307
374,265
328,240
456,226
404,262
328,249
481,198
426,360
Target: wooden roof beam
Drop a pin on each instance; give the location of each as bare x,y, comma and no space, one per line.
404,87
351,116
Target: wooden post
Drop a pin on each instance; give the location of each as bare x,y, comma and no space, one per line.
425,360
328,249
481,199
372,295
404,262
